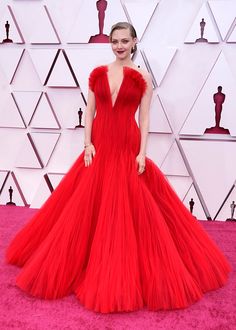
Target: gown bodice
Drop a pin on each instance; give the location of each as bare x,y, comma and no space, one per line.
115,124
129,95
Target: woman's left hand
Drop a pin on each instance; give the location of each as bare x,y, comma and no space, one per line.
140,159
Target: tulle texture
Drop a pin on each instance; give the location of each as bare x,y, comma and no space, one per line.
118,240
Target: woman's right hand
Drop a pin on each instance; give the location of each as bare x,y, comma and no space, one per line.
89,153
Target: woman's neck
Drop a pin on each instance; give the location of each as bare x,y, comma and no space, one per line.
125,62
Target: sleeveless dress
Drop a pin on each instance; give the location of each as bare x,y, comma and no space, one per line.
118,240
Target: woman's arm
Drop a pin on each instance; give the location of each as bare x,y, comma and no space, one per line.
144,122
89,116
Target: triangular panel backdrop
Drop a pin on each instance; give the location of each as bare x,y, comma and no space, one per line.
47,51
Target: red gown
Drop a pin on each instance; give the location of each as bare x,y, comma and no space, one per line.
118,240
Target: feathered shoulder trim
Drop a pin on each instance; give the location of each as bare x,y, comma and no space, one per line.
138,78
95,74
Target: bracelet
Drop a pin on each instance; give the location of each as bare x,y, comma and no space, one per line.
87,145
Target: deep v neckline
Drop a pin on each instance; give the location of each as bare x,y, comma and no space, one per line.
109,86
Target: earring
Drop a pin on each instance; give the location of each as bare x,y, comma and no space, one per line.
134,48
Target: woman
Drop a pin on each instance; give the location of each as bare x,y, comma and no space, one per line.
113,231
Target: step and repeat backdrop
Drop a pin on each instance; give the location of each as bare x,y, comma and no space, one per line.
47,50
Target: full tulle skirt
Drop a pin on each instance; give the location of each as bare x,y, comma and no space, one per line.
118,240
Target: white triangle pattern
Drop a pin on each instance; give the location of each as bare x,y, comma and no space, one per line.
159,64
26,102
14,33
221,158
78,57
198,211
55,179
19,82
202,115
173,163
88,13
17,196
45,144
180,184
61,75
232,37
209,30
224,13
37,63
9,60
158,146
137,9
29,180
158,119
9,114
43,31
44,116
66,105
43,59
225,212
3,176
27,157
41,195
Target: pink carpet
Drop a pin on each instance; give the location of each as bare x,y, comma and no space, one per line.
215,311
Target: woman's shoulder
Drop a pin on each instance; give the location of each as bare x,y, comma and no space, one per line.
144,73
141,74
142,77
95,74
98,70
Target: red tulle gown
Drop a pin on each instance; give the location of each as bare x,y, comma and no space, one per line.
118,240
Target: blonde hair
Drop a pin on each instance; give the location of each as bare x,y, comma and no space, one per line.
124,25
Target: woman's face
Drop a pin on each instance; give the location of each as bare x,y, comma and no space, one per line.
122,43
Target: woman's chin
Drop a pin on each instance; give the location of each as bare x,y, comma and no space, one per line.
122,55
